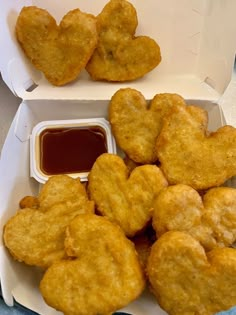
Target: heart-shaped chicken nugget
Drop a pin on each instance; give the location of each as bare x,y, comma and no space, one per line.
103,275
190,154
210,219
36,236
60,52
137,124
125,198
120,56
186,281
62,189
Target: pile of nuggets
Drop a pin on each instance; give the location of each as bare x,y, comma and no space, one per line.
161,217
104,45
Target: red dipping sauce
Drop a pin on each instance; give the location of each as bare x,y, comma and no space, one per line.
71,149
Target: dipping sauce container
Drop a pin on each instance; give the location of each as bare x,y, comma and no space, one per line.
68,147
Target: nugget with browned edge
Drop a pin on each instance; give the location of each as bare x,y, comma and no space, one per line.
211,219
125,198
186,280
120,55
61,51
192,155
103,274
62,189
36,236
137,123
29,202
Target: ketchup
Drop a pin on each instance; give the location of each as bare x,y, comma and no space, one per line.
71,149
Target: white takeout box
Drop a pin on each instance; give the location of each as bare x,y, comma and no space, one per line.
198,44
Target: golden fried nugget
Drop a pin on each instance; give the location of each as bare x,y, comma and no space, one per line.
124,198
190,154
36,236
211,220
63,189
137,124
29,202
187,281
220,214
103,275
60,52
120,55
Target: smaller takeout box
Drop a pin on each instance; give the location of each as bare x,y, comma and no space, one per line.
198,44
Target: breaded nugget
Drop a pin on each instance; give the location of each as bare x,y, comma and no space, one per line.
103,275
120,55
29,202
124,198
60,52
63,189
220,214
211,220
190,154
187,281
137,124
180,207
36,236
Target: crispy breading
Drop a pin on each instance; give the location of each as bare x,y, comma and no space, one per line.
120,55
36,236
63,189
59,51
180,208
190,154
29,202
220,214
125,198
103,275
186,281
211,220
137,124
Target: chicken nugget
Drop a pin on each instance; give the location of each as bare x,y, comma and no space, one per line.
61,51
125,198
180,207
136,124
36,236
63,189
186,280
120,55
29,202
190,154
103,275
220,215
210,219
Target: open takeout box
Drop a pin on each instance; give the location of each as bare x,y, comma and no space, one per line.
198,44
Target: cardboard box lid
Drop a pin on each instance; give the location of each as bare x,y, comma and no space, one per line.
197,40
